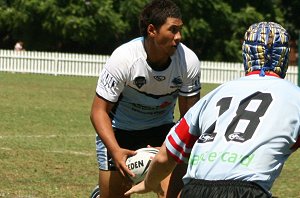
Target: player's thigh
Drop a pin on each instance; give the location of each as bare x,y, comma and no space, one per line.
112,184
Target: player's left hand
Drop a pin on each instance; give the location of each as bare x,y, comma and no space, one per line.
140,188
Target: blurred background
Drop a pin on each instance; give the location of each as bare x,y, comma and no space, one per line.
213,29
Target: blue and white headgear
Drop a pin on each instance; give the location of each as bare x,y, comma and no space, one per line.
266,48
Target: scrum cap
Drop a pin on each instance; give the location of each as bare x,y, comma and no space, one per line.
266,48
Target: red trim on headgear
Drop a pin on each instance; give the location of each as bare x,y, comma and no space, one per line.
267,73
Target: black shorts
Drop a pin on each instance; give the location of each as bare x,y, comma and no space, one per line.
131,140
223,189
134,140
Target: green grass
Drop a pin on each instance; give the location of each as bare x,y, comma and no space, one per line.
47,142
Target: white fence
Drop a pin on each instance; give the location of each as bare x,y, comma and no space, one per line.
51,63
219,72
91,65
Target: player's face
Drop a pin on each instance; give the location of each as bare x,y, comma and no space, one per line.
169,36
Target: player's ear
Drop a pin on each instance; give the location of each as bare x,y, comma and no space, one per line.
151,30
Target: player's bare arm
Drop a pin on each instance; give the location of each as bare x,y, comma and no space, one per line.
102,124
185,103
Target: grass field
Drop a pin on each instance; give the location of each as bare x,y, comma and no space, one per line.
47,142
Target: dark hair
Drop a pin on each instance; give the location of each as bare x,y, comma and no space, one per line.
156,13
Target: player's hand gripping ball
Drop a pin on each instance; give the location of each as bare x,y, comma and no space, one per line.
139,163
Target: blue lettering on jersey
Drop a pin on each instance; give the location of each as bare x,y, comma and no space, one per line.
108,80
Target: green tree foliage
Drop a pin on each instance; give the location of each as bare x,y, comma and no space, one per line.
62,25
213,29
292,17
130,11
86,24
11,19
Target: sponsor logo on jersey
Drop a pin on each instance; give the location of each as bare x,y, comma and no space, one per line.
108,80
159,78
206,138
139,81
230,158
177,82
236,137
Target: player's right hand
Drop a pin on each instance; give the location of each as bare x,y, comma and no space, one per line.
120,158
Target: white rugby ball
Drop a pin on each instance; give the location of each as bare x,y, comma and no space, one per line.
140,162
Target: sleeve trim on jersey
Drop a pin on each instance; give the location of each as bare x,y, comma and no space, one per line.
181,142
177,159
178,147
182,131
172,151
297,144
194,92
103,98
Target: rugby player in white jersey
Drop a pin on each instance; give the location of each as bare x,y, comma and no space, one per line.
137,92
237,138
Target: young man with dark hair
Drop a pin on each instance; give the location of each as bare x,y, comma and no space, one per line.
137,92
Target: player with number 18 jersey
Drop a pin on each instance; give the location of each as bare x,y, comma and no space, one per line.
239,117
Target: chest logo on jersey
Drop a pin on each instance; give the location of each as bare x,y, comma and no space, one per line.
159,78
206,138
177,82
139,81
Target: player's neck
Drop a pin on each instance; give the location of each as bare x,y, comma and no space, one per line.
155,59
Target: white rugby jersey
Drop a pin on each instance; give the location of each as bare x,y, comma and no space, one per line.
243,130
144,97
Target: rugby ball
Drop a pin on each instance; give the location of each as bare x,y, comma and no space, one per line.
140,162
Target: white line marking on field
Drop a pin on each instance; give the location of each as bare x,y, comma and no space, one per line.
73,152
61,152
42,136
7,149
